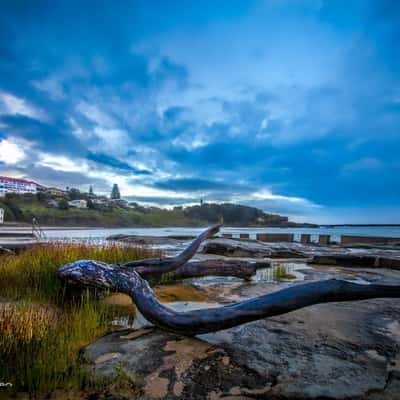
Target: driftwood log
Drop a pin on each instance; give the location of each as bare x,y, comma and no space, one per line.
127,278
217,267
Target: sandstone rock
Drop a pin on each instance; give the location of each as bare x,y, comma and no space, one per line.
329,351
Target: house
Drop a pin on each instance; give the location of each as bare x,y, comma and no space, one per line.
78,203
52,203
1,215
15,185
100,200
55,191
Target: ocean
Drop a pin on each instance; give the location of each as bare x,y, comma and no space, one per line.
335,232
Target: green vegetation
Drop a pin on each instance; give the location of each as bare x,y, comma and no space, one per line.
280,272
55,210
43,326
277,272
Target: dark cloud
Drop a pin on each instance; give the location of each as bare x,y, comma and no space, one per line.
53,137
104,159
197,184
225,98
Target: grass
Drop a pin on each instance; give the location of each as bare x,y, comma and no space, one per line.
33,273
278,272
281,273
42,327
23,207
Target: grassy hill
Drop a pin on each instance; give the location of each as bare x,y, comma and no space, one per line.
22,208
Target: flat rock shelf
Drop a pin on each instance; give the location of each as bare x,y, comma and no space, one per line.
327,351
344,350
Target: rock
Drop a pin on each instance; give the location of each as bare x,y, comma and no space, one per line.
329,351
150,240
357,260
389,262
346,260
173,367
106,357
235,248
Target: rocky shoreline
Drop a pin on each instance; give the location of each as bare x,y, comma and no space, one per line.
327,351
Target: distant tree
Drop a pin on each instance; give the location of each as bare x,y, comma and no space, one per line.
74,194
11,202
115,192
41,196
91,190
63,205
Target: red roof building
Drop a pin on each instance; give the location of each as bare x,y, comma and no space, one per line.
16,185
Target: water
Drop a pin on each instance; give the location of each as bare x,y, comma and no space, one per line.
335,232
281,271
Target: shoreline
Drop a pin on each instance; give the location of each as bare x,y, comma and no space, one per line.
25,227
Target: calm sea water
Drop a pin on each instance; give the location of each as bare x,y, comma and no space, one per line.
335,232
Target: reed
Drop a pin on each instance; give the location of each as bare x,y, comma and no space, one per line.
42,329
33,273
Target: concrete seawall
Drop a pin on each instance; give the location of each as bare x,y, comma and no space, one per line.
322,239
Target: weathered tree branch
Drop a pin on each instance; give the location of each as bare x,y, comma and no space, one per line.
126,278
123,278
218,267
153,266
104,276
181,268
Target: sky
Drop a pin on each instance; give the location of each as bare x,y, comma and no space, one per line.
291,106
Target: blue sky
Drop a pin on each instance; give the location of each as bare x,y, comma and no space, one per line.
289,106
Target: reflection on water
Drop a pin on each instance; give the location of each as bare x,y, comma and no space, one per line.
281,271
139,321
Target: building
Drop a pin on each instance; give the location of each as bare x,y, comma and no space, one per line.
78,203
1,216
15,185
100,200
55,191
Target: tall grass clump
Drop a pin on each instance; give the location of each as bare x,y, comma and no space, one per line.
41,328
33,273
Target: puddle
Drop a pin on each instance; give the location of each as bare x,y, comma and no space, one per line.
281,271
141,322
203,292
216,281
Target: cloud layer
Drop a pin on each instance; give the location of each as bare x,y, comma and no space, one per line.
293,108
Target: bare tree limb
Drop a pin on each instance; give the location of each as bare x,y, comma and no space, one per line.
162,265
218,267
104,276
126,278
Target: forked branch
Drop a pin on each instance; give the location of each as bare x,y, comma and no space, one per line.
96,274
153,266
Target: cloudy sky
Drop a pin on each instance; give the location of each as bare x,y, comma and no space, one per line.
292,106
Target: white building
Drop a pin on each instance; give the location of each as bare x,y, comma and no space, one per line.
55,191
14,185
1,216
78,203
